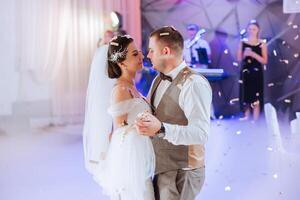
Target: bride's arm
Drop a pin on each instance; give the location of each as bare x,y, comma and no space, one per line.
120,94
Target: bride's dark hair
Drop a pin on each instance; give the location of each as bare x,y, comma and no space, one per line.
117,51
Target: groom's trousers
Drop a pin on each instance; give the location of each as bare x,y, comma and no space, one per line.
179,184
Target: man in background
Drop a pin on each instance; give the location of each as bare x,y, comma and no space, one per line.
196,50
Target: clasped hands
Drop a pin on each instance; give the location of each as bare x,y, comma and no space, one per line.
147,124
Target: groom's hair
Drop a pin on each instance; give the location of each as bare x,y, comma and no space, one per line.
169,36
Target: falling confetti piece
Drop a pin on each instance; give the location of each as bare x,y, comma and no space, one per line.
238,132
270,84
245,70
226,51
287,101
220,94
284,61
257,94
233,100
296,37
275,176
270,149
283,42
241,81
295,26
221,117
290,23
265,67
274,52
290,76
235,64
227,188
296,55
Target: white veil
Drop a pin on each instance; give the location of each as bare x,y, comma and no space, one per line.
97,123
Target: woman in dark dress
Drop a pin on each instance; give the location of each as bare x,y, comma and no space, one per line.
253,55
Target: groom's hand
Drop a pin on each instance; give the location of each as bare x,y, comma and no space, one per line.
148,126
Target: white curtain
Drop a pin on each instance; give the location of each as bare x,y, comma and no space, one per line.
56,41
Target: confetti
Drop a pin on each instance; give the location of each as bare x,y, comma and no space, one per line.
290,76
283,42
270,149
241,81
238,132
290,23
220,94
296,55
221,117
296,37
275,176
245,70
257,94
233,100
274,52
287,101
284,61
227,188
295,26
235,64
271,84
226,51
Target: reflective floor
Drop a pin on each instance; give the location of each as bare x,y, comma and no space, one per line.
244,162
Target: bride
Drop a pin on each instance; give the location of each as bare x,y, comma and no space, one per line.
123,162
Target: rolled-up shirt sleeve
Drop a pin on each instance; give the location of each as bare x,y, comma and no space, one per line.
195,100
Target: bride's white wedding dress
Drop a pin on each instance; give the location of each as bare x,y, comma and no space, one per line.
129,163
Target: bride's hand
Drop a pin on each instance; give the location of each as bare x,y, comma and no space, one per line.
147,124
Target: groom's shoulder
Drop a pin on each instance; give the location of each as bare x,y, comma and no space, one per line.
197,78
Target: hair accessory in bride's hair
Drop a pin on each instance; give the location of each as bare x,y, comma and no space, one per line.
163,34
114,57
114,44
127,36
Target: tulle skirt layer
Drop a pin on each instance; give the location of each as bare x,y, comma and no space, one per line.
128,167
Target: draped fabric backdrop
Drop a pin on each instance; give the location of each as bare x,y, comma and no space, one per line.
55,42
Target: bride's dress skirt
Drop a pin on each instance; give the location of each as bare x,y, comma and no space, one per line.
128,167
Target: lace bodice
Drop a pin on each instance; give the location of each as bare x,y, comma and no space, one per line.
132,107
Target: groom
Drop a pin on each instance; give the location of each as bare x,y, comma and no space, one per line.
179,126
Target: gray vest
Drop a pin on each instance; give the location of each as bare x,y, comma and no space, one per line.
168,156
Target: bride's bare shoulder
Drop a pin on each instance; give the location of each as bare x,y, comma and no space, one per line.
121,93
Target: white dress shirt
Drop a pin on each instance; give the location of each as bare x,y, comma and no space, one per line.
195,100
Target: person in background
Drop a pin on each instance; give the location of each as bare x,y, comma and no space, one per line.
252,53
196,48
107,37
